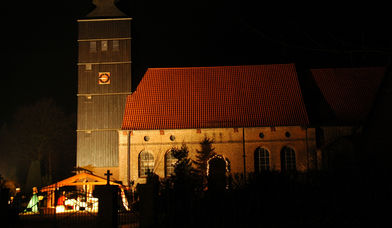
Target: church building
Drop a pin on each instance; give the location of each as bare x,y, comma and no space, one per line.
261,117
255,114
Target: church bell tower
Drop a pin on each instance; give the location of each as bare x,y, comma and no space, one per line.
104,81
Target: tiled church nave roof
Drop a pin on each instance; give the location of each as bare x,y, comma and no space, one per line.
223,96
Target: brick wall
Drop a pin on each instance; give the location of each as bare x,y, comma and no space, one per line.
228,143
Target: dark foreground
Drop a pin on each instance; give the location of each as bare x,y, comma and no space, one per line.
74,220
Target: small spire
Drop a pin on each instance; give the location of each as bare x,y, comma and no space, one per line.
105,8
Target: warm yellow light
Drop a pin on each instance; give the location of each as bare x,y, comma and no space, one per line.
60,209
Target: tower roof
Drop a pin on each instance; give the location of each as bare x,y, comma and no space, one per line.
209,97
105,8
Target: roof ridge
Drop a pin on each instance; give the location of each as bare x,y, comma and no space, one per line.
224,66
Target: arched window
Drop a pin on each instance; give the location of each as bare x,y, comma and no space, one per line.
287,159
262,160
146,163
170,161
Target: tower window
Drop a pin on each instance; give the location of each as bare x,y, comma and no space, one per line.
88,99
93,47
89,66
116,45
104,45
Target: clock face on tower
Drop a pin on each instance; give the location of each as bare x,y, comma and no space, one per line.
104,78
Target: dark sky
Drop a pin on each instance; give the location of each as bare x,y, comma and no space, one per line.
39,42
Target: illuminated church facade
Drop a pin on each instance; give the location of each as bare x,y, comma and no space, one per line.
255,115
259,116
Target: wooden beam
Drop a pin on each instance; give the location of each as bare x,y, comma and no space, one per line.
71,181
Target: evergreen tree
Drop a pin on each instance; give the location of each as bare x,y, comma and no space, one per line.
185,177
203,155
183,167
185,186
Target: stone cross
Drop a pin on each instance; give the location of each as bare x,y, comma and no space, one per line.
108,174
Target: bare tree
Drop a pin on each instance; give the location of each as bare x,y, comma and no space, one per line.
40,132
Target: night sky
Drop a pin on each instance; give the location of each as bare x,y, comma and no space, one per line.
39,40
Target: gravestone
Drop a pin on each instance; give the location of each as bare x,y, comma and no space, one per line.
107,203
146,194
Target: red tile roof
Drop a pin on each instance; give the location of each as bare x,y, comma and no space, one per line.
349,91
223,96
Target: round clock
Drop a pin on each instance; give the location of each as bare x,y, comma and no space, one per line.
104,78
